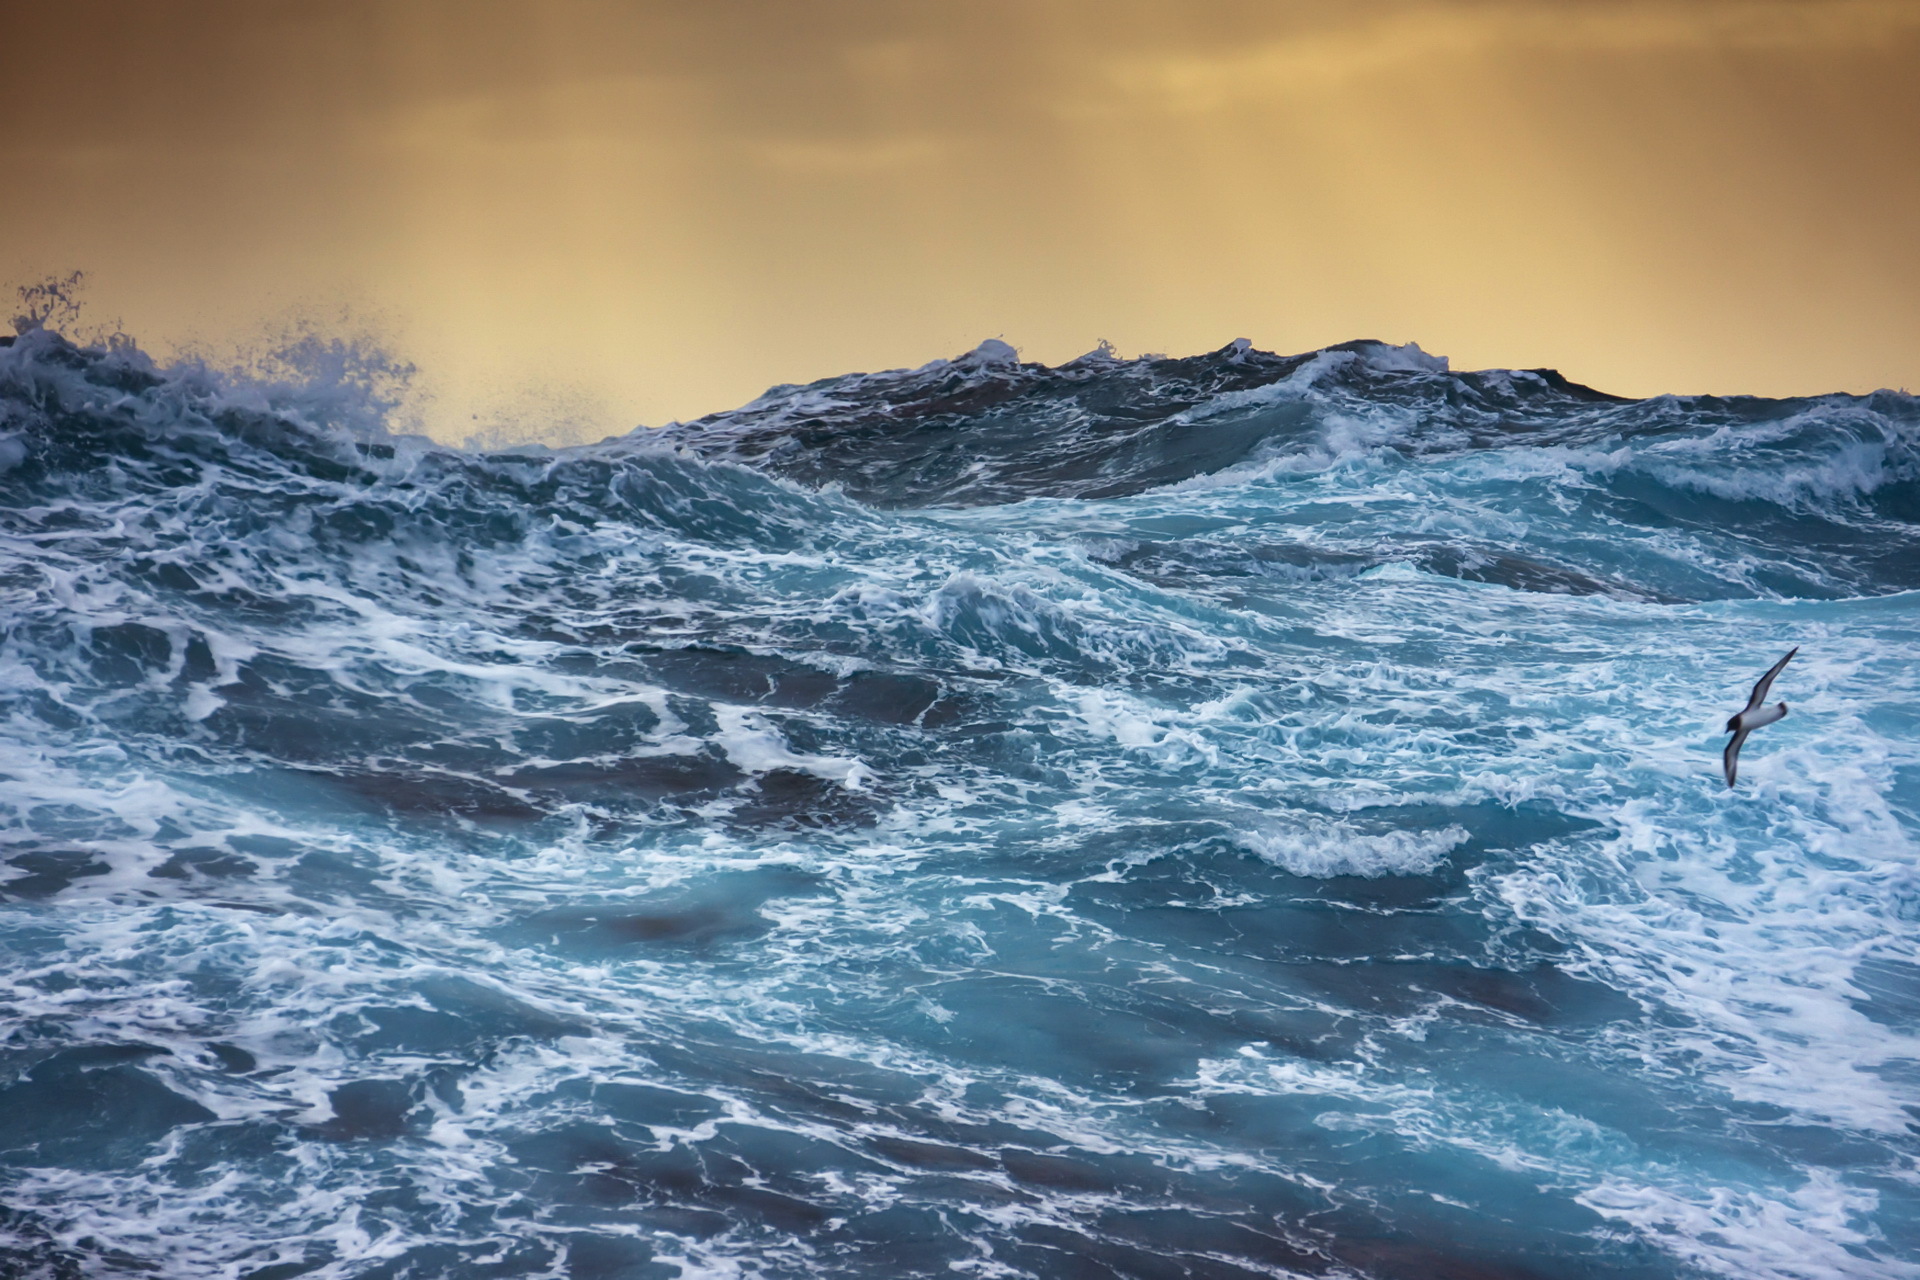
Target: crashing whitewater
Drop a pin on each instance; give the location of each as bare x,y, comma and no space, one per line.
1229,816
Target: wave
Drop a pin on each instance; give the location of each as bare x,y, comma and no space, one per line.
1801,497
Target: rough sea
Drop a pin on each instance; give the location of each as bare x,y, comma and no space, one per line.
1228,816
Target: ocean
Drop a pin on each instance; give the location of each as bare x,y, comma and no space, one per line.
1227,816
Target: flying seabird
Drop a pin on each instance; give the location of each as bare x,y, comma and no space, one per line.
1753,715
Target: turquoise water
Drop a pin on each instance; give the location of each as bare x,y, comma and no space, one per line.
1234,816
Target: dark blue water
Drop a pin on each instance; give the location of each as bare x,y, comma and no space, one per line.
1222,817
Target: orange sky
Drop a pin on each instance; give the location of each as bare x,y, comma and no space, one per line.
580,216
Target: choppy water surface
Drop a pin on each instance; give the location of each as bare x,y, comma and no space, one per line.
1235,816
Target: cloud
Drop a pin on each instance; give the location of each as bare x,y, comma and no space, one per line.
1315,61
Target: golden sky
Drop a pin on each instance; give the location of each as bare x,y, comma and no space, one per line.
577,216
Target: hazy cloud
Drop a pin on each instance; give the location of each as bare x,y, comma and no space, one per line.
1317,59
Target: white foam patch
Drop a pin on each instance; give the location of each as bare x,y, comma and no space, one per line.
1320,849
1817,1232
1161,731
755,747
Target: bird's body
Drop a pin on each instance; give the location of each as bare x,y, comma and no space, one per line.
1753,716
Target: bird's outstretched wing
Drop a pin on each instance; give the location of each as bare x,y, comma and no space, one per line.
1730,758
1766,681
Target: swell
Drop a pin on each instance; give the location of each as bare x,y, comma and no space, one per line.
1813,497
986,428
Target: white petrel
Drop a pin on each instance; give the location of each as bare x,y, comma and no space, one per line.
1753,715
